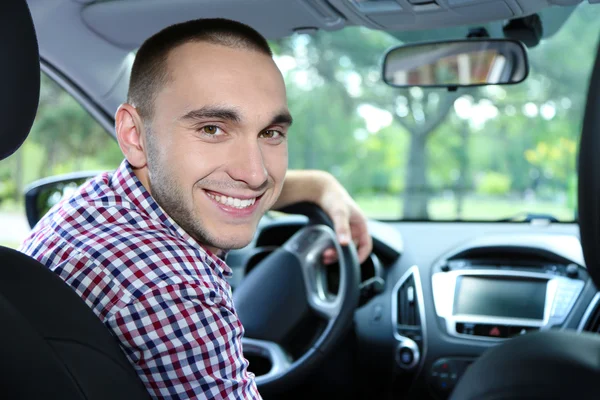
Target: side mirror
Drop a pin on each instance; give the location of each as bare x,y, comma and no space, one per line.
42,195
458,63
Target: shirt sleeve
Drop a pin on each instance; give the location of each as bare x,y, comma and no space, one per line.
185,342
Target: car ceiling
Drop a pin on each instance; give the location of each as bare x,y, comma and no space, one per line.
88,44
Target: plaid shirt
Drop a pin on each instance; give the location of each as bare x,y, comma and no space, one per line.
161,294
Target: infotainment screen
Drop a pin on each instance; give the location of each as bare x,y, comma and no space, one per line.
500,297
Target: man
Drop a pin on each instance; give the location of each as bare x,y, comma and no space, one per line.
204,138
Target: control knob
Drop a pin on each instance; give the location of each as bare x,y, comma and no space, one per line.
407,354
572,270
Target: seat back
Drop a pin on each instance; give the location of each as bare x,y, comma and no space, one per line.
52,345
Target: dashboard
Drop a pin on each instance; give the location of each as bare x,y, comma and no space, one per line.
435,296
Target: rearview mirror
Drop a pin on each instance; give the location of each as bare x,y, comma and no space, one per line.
42,195
460,63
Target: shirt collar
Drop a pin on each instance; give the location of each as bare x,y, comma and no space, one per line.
126,183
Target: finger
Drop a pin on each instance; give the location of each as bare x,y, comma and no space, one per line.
365,245
360,234
329,256
341,226
329,253
330,260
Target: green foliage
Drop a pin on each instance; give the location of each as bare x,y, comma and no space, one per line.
64,138
7,190
493,183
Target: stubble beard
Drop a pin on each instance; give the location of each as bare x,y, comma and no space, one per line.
170,198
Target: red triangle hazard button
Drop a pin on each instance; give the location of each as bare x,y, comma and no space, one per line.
495,331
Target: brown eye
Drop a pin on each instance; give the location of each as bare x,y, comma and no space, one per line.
270,134
210,129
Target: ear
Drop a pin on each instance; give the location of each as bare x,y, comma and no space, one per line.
129,129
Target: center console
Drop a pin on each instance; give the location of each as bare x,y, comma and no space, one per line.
493,300
501,303
476,296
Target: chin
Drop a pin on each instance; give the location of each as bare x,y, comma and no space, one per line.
231,240
233,244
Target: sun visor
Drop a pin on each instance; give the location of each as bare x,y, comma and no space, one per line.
127,24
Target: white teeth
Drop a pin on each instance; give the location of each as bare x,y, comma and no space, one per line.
233,202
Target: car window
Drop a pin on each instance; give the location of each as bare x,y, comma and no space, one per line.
64,138
476,154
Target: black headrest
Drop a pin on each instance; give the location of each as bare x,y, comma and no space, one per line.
20,72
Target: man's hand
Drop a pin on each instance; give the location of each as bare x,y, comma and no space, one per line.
323,189
349,223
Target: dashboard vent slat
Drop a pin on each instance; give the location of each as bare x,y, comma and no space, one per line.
408,307
593,322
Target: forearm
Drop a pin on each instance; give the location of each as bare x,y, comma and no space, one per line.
303,185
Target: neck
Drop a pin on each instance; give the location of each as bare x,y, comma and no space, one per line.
217,252
142,175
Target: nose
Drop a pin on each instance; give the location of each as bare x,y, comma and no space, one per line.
247,163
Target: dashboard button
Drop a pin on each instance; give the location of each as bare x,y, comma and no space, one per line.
406,356
465,329
446,372
444,384
521,330
494,331
559,309
442,366
377,314
572,270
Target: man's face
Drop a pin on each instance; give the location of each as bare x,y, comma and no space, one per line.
216,150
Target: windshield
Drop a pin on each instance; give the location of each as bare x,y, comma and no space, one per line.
486,153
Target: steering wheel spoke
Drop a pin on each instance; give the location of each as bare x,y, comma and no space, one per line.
323,308
279,358
307,246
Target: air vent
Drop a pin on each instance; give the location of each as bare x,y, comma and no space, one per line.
495,256
408,307
591,318
408,313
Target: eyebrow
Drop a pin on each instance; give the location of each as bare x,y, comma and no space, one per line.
218,112
232,114
283,118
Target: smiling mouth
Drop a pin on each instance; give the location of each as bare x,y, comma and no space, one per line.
233,201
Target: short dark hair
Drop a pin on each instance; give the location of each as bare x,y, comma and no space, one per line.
150,70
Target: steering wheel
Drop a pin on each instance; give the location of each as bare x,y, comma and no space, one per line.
553,364
278,297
